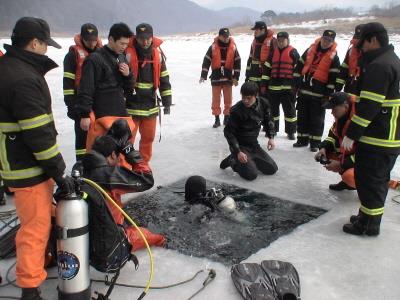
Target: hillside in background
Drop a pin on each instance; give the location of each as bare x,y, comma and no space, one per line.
166,16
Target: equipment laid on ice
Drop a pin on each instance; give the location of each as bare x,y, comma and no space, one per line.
273,280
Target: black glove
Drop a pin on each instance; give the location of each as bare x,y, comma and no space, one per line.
121,133
66,186
131,155
72,112
167,110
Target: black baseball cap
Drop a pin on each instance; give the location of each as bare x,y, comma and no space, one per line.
282,34
336,99
259,25
329,34
29,27
224,31
370,29
144,30
89,32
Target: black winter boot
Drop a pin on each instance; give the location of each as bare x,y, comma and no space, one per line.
226,162
301,142
2,198
364,224
31,294
217,122
314,146
340,186
226,118
291,136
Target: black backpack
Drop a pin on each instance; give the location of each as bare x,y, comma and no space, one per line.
109,248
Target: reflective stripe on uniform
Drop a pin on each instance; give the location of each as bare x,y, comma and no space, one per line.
372,96
35,122
341,81
264,77
21,174
256,79
360,121
279,87
276,118
372,211
9,127
48,153
267,64
69,75
302,134
166,93
80,151
330,140
145,86
380,142
3,152
306,92
391,103
344,65
393,123
291,120
165,73
143,113
316,138
69,92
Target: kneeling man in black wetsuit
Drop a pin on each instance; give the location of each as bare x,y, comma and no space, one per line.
242,130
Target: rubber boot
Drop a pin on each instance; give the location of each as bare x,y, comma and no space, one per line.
314,146
291,136
31,294
226,118
2,197
341,186
301,142
226,162
365,224
217,122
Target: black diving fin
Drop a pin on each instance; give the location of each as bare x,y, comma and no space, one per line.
284,278
251,282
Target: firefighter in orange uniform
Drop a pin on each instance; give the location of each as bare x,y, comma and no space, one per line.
224,59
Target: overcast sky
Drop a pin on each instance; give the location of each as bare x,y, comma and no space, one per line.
290,5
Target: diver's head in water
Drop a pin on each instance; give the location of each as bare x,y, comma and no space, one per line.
196,192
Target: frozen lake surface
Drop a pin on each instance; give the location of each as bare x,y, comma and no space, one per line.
332,265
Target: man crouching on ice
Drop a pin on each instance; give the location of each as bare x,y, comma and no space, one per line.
102,165
242,130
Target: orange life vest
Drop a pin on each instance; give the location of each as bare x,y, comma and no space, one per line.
354,57
319,69
265,47
345,127
1,54
80,55
282,63
216,54
133,60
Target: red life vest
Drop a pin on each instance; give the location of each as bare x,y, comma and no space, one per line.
318,63
265,46
282,63
133,60
1,54
216,54
354,57
80,55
